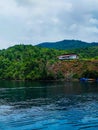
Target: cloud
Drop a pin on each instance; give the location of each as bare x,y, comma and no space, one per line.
34,21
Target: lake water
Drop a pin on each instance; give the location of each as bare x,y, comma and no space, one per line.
48,106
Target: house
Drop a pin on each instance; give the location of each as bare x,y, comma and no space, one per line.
68,57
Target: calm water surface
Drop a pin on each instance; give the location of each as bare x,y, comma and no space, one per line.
48,106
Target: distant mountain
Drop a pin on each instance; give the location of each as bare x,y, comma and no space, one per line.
67,44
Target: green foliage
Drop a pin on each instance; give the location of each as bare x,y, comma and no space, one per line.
83,49
90,74
60,75
27,62
76,76
87,53
67,44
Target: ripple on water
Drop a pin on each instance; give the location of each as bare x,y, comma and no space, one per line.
66,112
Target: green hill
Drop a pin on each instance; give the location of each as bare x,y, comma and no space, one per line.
67,44
27,62
87,53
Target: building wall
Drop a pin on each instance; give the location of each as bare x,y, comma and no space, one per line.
67,57
73,57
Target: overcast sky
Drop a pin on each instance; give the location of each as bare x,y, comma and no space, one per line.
36,21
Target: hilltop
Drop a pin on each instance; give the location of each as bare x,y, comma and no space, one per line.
67,44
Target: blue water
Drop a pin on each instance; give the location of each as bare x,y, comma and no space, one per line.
48,106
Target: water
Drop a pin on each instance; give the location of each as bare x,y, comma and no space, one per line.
48,106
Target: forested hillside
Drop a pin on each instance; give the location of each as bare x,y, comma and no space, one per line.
67,44
86,53
27,62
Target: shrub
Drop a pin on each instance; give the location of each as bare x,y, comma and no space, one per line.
90,74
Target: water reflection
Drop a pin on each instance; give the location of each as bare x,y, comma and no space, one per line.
48,105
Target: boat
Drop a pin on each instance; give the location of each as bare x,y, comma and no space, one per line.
88,79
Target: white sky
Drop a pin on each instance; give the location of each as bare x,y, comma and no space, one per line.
36,21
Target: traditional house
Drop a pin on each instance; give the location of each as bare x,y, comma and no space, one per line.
68,57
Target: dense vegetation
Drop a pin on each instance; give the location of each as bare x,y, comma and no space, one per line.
86,53
67,44
27,62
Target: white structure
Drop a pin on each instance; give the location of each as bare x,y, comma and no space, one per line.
68,57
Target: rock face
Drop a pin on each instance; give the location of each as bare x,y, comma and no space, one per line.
76,68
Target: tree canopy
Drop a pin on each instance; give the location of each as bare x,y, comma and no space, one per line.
27,62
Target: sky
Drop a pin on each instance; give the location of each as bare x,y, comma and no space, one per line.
37,21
